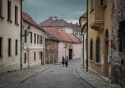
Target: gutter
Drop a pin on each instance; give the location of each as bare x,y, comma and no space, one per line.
21,35
87,39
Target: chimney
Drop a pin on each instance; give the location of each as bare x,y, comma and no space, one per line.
50,17
55,18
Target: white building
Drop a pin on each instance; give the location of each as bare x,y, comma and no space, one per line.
33,42
10,26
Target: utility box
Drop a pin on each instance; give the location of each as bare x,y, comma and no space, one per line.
109,58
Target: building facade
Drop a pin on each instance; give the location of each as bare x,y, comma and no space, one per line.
33,42
68,45
118,43
99,37
82,22
10,26
51,48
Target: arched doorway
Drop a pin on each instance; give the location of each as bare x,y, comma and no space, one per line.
106,40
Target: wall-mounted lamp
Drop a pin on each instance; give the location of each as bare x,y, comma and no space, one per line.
28,31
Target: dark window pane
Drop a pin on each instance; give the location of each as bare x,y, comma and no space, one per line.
31,37
16,47
16,14
25,36
25,58
34,38
34,56
9,47
0,46
9,10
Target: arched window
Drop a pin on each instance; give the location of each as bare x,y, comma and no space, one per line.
98,49
91,49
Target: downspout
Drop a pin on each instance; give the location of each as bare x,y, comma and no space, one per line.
87,40
21,34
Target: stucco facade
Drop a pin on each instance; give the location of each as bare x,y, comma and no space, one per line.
10,35
34,51
99,37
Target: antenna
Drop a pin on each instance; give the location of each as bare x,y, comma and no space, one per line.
62,15
36,14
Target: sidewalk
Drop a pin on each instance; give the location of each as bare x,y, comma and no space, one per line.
21,75
92,80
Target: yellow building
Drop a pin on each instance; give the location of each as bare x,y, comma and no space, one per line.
99,37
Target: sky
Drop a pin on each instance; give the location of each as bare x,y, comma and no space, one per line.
41,10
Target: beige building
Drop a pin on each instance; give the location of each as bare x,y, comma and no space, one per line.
10,24
99,36
33,42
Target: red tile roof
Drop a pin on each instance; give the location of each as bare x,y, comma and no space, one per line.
84,15
54,23
61,35
28,19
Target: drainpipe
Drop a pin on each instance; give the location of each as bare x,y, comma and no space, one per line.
87,40
21,34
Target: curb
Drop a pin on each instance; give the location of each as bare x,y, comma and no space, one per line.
83,78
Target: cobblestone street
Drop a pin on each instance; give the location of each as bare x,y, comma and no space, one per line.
52,76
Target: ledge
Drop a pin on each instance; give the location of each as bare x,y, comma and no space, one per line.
16,24
1,17
91,61
98,64
9,20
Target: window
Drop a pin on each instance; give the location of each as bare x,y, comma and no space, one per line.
98,50
24,58
122,36
0,46
34,38
9,10
0,7
31,37
9,47
16,14
41,40
25,40
34,56
16,47
91,49
37,39
101,2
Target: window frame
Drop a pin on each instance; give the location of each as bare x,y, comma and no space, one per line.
25,57
34,56
16,14
1,44
98,49
91,49
9,46
16,47
34,38
9,10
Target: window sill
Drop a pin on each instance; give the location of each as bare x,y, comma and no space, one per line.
1,17
9,20
9,55
98,64
16,24
91,61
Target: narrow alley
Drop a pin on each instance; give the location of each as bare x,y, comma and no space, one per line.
51,76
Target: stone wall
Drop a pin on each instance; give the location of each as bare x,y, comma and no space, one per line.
118,70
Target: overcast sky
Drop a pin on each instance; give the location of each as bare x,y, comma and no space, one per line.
71,9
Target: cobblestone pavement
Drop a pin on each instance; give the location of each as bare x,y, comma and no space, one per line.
53,76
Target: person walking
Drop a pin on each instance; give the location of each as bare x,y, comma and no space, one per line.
63,60
66,61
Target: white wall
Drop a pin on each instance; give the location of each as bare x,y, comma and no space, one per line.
10,30
85,49
77,51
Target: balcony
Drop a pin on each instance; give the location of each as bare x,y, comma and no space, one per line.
97,18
